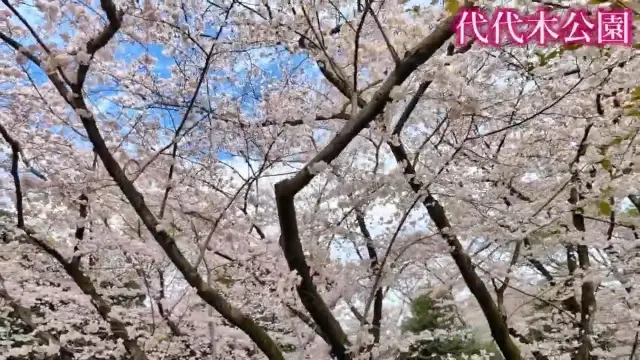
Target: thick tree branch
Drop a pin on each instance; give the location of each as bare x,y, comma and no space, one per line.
498,326
287,189
588,302
416,57
15,158
406,113
84,283
212,297
168,244
83,201
118,328
497,323
379,295
114,17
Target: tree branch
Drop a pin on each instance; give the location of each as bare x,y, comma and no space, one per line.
15,158
168,244
588,301
499,329
392,50
114,17
84,283
286,190
83,200
404,117
307,320
379,295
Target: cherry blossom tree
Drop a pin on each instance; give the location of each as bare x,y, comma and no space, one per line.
280,180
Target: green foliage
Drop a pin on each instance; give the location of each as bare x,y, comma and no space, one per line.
6,214
415,10
633,212
543,59
428,315
606,163
452,6
605,208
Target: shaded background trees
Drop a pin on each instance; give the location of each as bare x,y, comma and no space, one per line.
448,336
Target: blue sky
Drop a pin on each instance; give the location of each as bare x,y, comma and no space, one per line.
250,94
271,61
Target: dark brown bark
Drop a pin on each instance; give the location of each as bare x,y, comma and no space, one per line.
499,328
72,268
74,98
208,294
21,312
85,284
286,190
379,295
79,235
15,159
588,300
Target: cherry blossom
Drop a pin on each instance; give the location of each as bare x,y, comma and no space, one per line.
280,180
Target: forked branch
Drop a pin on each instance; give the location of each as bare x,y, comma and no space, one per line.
287,189
72,268
135,198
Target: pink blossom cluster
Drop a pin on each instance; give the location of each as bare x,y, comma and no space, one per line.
575,27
